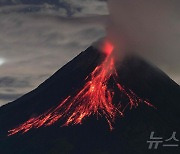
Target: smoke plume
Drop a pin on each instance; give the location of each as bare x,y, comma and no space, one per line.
149,28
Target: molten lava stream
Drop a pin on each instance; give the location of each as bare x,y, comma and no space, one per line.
95,98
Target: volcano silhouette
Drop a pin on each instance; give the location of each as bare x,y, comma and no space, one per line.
131,132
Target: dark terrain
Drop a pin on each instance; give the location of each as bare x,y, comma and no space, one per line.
93,136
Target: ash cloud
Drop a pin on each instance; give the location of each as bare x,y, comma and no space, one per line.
149,28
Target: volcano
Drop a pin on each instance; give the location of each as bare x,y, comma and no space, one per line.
94,105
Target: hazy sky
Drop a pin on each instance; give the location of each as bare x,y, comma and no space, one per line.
37,37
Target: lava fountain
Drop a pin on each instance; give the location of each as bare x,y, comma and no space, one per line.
95,98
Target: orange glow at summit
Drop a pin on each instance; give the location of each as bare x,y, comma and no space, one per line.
95,98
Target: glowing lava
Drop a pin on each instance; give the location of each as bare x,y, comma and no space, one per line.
95,98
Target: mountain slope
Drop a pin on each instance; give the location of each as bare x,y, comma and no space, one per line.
93,136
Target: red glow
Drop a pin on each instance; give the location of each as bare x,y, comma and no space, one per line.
95,98
108,48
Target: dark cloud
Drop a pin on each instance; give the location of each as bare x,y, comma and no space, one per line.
69,8
10,2
13,82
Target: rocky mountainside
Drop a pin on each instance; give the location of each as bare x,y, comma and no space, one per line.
130,133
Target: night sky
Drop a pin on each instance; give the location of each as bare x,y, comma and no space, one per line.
37,37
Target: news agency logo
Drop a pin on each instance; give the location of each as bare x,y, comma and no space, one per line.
155,142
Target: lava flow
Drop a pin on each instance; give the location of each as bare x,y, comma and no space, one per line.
95,98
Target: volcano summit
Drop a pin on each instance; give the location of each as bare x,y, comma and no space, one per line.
94,98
